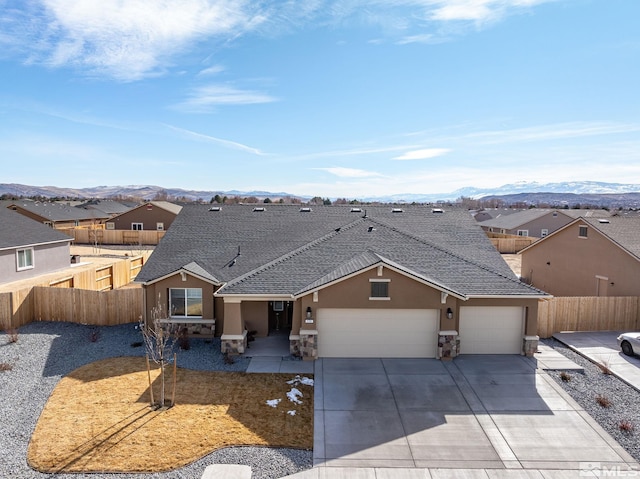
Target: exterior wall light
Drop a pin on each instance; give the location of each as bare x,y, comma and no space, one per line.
449,313
308,311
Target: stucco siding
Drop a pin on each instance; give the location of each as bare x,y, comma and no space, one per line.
568,265
46,259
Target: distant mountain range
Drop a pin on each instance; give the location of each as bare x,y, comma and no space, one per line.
571,193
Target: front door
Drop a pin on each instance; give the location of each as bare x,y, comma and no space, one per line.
280,315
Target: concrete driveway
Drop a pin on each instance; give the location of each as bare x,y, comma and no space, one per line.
476,412
602,347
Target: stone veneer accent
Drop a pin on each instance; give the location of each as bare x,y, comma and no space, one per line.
234,343
294,345
530,345
309,344
448,345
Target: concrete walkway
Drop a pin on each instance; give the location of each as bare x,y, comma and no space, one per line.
601,347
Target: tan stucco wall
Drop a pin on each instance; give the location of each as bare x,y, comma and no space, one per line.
405,293
148,217
575,262
256,317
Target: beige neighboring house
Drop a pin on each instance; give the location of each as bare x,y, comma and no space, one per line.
588,257
149,216
535,222
376,281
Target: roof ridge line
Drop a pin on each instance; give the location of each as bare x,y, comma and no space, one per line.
291,254
450,253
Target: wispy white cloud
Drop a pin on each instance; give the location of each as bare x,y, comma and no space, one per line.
132,39
212,70
423,154
219,141
205,99
349,172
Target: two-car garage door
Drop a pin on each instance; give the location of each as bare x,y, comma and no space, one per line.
401,333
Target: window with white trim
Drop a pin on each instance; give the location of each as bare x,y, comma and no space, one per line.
24,259
582,231
160,226
110,225
523,232
185,302
137,226
379,289
544,232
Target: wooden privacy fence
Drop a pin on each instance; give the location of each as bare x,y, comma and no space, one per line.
588,314
510,244
92,236
96,308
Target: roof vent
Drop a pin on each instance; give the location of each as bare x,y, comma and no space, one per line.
397,210
437,210
356,210
305,209
603,220
215,208
370,229
259,208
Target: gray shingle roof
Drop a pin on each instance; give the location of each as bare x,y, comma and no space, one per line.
284,251
625,231
17,230
59,212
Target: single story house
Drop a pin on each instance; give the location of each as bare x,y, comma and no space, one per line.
587,257
29,248
149,216
376,281
536,222
57,215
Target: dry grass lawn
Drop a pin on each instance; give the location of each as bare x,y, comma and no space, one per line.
98,418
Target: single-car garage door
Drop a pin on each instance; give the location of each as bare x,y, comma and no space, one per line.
491,329
387,333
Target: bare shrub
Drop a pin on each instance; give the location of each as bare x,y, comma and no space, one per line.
565,376
5,367
626,426
159,340
604,401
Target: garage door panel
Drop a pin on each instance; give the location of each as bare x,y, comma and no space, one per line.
377,332
491,329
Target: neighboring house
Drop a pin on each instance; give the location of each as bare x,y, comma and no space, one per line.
108,207
345,282
150,216
29,249
588,257
536,222
57,215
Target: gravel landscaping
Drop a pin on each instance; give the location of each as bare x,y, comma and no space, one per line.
594,390
46,351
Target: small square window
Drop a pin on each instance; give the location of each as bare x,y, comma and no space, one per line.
24,258
582,231
160,226
379,289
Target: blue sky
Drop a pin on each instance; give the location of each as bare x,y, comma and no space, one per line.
337,98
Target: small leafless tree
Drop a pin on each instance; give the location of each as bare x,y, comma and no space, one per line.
159,340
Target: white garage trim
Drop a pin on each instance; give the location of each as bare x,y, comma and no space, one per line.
491,329
389,333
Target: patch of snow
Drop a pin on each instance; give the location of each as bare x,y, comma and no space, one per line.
301,380
291,413
273,402
293,396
